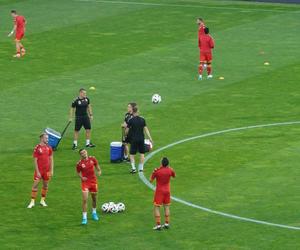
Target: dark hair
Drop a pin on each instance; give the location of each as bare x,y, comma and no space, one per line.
132,104
165,162
80,150
82,89
135,109
13,11
206,30
43,134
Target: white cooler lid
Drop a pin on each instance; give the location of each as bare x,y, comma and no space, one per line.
116,144
52,132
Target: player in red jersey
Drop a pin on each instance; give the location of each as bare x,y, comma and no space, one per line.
206,44
86,171
44,166
19,30
201,27
162,192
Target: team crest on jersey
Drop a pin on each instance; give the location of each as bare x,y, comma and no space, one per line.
41,151
83,165
79,102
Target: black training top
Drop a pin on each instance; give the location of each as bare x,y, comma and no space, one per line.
81,106
128,116
136,128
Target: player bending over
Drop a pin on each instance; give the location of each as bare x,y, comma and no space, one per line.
162,194
44,166
19,30
86,171
206,44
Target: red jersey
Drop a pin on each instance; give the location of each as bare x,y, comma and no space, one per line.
162,176
87,168
206,43
20,23
200,32
43,155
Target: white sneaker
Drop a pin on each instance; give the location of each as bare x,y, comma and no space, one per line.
166,226
157,227
43,203
31,204
209,76
200,77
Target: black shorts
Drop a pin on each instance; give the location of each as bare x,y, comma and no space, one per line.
82,121
137,146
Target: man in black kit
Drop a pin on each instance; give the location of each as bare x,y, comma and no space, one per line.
82,109
136,127
126,137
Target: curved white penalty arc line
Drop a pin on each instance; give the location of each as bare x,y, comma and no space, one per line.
149,156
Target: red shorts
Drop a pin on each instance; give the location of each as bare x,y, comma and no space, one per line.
89,187
205,57
45,175
162,198
19,36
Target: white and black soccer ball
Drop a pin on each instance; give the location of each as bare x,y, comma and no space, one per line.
110,206
105,207
121,207
156,98
114,209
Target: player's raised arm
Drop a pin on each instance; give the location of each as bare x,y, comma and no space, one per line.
153,176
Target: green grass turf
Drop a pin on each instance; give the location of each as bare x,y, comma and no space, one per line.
128,52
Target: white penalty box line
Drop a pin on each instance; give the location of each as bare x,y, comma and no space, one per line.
187,203
187,6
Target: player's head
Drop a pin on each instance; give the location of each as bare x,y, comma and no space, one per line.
206,30
164,162
13,13
130,106
200,20
135,109
83,153
82,92
44,138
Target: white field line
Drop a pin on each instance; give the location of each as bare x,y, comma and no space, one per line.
145,180
184,6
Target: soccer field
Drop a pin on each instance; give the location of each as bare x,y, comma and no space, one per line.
129,50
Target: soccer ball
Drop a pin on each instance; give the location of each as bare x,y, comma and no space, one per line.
114,209
105,207
110,206
156,98
121,207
